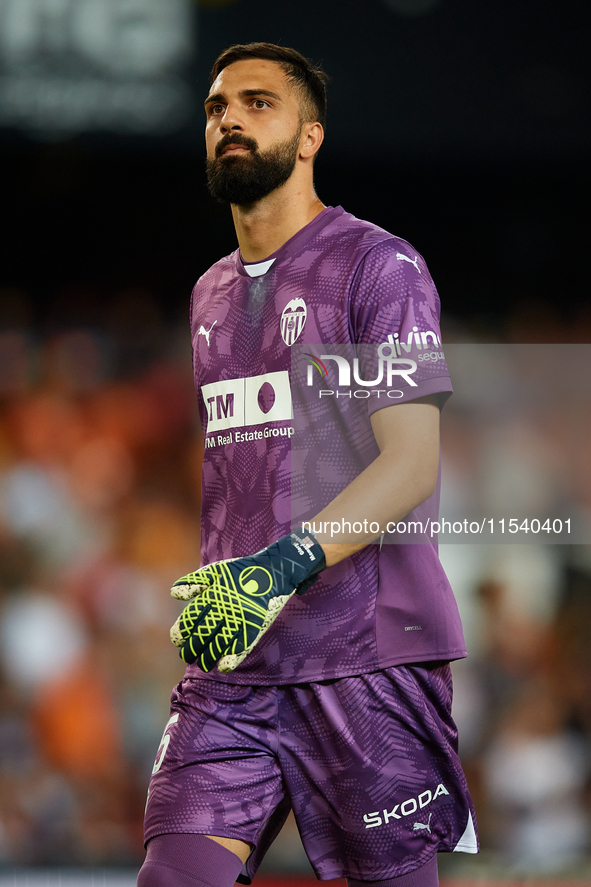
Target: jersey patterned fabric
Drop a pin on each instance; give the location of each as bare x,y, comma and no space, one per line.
341,281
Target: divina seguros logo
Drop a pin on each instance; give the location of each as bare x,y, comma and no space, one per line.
386,372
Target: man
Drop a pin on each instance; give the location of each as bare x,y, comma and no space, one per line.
335,703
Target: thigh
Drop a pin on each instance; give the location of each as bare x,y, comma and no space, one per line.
372,770
216,772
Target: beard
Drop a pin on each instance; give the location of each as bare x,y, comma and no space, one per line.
250,177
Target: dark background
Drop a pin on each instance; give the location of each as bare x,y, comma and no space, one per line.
465,129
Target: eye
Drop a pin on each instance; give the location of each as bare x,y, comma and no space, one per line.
215,109
260,103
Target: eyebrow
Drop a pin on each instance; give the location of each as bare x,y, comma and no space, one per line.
245,93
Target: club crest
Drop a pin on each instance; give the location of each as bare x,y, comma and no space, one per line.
293,320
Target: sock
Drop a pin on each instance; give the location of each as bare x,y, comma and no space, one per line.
425,876
188,861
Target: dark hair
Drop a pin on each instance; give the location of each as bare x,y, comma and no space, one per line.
309,78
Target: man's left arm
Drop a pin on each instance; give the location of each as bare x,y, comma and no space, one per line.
397,481
233,602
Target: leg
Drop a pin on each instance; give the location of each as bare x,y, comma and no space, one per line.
240,848
425,876
192,861
216,781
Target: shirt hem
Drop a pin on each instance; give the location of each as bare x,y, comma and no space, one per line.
254,680
435,385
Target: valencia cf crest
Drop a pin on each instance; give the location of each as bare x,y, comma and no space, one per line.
293,320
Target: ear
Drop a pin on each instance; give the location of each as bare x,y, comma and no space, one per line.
312,138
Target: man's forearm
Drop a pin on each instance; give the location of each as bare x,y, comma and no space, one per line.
402,476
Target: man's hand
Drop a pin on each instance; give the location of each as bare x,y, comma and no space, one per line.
234,602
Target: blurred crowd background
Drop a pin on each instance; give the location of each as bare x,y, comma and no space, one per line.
99,483
99,512
462,127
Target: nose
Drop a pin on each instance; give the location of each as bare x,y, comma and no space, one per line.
231,120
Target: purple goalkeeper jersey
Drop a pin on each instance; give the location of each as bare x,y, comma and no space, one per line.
338,283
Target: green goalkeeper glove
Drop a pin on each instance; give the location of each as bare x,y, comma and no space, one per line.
234,602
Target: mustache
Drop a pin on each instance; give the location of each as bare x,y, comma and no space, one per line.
235,139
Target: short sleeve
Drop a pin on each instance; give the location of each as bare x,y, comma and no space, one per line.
394,303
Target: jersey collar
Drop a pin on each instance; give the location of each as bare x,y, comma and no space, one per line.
292,246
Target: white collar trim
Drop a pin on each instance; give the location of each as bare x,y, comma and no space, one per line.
256,269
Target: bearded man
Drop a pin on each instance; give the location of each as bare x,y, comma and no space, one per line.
318,673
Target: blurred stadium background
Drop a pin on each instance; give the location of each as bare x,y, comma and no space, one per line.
464,127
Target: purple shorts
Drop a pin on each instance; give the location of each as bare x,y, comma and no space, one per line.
368,764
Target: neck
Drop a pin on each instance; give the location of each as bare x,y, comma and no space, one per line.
265,226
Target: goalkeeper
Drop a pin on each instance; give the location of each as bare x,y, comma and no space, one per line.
317,676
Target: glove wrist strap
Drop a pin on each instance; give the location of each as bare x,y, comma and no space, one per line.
304,555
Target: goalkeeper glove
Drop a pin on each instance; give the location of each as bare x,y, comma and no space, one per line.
235,601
